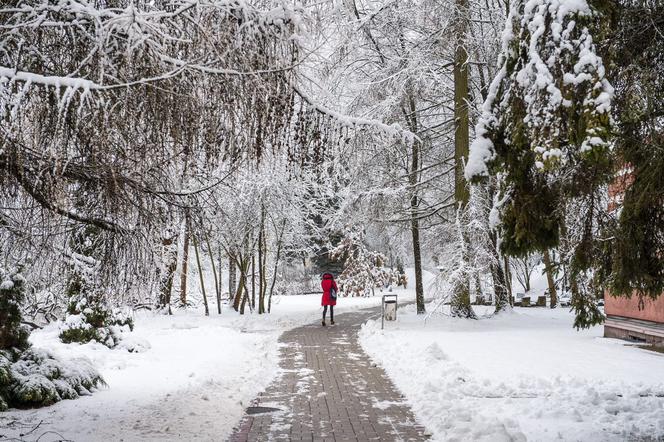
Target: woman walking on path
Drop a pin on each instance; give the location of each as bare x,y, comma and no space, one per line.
330,290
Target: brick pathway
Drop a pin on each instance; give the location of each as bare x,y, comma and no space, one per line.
329,391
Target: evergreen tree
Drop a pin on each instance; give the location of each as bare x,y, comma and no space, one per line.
545,133
13,335
634,261
89,315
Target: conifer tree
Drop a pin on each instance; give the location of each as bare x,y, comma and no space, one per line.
634,261
545,133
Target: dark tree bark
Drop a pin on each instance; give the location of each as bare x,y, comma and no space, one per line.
417,255
499,279
460,304
237,297
549,279
508,278
169,247
262,255
413,181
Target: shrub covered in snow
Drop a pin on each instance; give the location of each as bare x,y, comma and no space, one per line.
364,270
30,377
92,320
34,378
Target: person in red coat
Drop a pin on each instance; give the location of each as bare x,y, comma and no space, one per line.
328,283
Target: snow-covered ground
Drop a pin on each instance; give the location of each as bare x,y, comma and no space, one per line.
192,383
517,376
523,375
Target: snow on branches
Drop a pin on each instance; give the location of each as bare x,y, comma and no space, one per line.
550,95
363,269
545,133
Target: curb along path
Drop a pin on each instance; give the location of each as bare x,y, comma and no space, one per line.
329,391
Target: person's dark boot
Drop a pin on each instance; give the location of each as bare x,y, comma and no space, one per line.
323,322
332,322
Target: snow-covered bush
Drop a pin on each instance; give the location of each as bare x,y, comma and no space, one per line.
386,277
35,378
364,270
93,320
31,377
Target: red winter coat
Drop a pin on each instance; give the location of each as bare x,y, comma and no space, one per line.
327,283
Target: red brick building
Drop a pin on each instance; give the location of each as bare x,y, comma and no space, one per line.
628,318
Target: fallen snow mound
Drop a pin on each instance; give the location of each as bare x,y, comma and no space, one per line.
521,376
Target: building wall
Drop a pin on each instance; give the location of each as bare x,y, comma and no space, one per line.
629,308
620,307
630,335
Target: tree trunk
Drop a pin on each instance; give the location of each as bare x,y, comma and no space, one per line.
240,296
461,121
499,279
417,255
253,280
237,296
549,279
214,272
232,277
243,276
460,303
262,252
508,278
276,267
200,275
221,266
413,181
242,293
170,263
185,261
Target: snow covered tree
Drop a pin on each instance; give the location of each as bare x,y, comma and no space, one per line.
403,80
363,269
106,97
524,267
472,262
13,334
545,133
91,318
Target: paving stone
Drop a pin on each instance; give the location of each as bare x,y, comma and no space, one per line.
324,394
